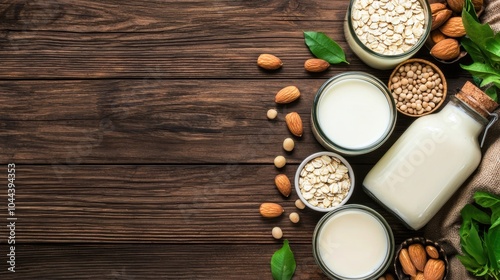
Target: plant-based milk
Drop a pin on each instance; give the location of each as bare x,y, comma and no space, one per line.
430,161
353,113
353,243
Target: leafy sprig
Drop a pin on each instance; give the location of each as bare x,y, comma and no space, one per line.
324,47
480,236
483,45
283,263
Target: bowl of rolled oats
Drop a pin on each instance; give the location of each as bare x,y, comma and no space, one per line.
324,181
384,33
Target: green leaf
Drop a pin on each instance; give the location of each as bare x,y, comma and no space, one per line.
481,70
473,50
486,200
471,212
469,262
324,47
476,31
474,246
492,241
492,45
283,263
492,92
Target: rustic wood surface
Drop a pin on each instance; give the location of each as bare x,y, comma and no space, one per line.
140,139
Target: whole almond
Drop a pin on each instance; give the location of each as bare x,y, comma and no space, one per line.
436,7
434,269
283,184
316,65
453,27
406,264
418,256
270,210
446,49
440,17
437,36
432,252
294,123
457,5
269,61
419,276
287,94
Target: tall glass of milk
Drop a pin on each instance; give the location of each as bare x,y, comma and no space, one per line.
353,242
353,113
432,158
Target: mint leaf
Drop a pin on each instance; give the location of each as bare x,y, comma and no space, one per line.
324,47
283,263
476,31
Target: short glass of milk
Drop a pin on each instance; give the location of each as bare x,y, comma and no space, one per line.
353,113
353,242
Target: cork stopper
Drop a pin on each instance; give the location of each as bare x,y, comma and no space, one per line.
477,99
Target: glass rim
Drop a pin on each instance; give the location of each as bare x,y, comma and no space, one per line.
367,78
386,263
421,41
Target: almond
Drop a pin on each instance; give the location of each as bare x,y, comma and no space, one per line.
458,5
294,123
436,7
453,27
270,210
316,65
269,61
406,264
389,276
287,95
418,256
446,49
432,252
440,17
419,276
434,269
283,184
437,36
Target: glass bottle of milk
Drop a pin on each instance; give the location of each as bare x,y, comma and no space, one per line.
432,158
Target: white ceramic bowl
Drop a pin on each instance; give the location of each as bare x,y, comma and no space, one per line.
350,172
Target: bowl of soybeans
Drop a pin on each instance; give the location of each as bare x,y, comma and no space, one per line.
418,87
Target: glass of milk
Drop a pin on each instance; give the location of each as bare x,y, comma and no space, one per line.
353,242
353,113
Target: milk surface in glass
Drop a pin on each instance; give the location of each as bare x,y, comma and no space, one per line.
354,113
353,243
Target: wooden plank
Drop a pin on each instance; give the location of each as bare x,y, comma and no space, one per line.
88,39
155,261
153,121
174,204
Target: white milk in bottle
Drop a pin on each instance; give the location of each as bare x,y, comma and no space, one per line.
432,159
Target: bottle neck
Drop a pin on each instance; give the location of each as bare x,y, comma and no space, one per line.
460,115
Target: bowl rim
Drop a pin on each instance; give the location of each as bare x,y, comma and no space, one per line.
436,70
307,160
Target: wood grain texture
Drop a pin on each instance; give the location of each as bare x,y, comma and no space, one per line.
140,138
166,204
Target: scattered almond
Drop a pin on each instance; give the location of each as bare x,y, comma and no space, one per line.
283,184
440,17
432,252
446,49
453,27
294,123
418,256
270,210
287,95
434,270
269,62
406,264
316,65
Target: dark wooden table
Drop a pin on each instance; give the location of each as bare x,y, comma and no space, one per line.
140,140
